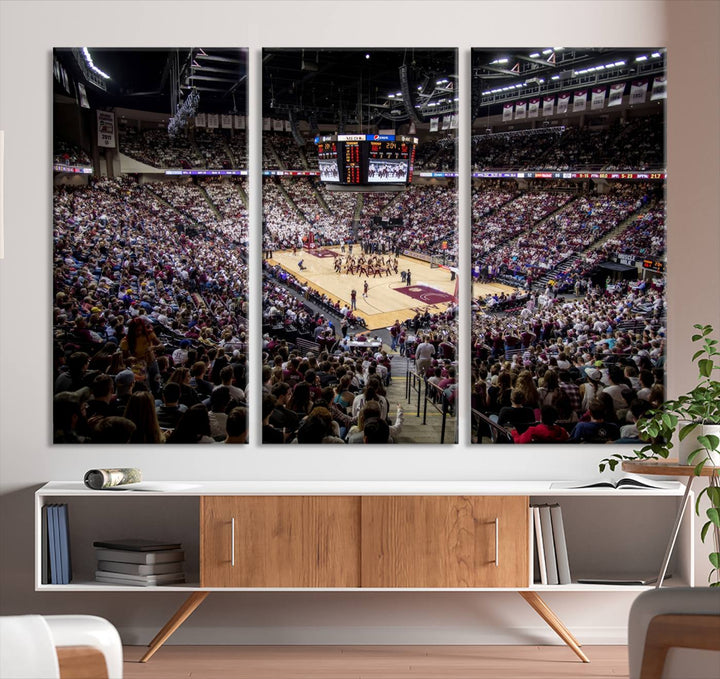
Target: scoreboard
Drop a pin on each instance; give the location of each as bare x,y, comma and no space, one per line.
366,159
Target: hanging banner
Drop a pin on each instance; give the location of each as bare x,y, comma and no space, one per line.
434,122
239,122
548,105
278,125
106,129
226,121
579,100
659,88
598,98
616,94
83,96
446,123
213,120
454,121
201,120
520,110
638,91
267,124
507,112
563,101
533,108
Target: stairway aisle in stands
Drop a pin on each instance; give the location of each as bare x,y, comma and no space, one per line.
414,431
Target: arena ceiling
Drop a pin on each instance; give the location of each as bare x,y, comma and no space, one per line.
358,86
503,75
156,79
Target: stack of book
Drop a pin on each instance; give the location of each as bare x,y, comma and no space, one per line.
143,563
552,565
56,564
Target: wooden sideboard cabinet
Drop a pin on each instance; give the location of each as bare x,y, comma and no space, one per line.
368,536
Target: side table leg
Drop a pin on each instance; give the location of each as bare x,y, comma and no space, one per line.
180,616
547,614
674,533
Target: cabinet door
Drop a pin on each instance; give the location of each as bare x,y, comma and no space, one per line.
303,541
442,541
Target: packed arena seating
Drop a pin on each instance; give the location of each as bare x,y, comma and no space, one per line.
320,388
122,255
281,152
210,149
429,214
213,148
637,145
65,153
565,353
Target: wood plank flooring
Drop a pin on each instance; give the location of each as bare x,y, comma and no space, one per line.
375,662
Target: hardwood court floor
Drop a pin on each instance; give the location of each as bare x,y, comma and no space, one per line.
375,662
383,304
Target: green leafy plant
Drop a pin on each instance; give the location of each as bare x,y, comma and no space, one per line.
684,415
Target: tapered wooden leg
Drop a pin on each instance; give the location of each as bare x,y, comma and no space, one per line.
546,613
181,615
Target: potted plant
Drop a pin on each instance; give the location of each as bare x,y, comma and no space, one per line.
695,418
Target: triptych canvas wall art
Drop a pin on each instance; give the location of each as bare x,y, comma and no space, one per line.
360,234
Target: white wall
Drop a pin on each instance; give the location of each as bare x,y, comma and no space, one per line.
29,30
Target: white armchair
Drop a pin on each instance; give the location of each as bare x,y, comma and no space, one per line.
59,647
674,633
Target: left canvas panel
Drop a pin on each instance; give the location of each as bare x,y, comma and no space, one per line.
150,245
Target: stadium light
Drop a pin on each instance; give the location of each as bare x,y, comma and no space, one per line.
656,55
547,51
92,66
534,55
642,57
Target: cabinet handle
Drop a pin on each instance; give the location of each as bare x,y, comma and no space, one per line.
497,542
232,542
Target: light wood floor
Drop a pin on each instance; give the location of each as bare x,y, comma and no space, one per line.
375,662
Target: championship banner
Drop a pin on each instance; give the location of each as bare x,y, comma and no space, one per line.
659,88
213,120
548,105
533,108
520,110
201,120
598,98
507,112
267,124
616,94
638,91
563,101
278,125
83,96
288,126
434,122
239,122
580,100
106,129
226,121
454,121
446,123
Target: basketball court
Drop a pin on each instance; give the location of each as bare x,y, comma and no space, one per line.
389,297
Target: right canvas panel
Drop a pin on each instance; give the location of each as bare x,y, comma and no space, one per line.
568,243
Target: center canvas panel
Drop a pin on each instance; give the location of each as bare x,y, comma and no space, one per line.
360,246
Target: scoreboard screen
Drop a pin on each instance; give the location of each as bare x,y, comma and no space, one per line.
371,159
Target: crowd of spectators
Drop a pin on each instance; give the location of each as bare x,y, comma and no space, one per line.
196,148
578,370
65,153
636,144
139,304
